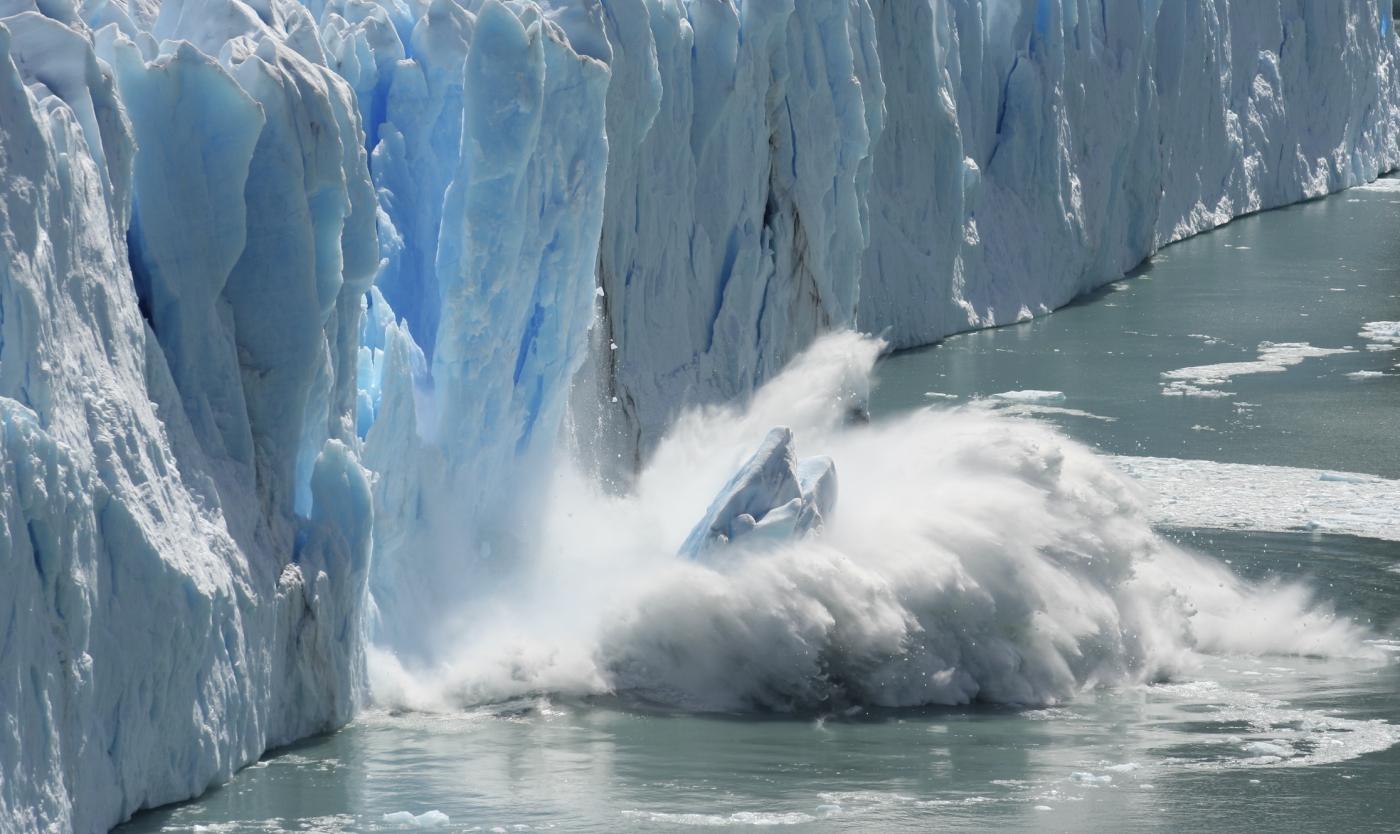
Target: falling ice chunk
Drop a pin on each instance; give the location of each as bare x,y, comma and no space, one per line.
772,496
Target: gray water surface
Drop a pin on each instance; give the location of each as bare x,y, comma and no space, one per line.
1245,744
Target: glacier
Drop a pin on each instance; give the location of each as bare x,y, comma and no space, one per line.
186,526
993,158
302,302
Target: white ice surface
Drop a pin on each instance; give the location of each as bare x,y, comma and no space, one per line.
1277,734
1200,493
1273,358
1383,335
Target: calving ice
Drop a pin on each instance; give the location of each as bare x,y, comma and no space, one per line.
968,557
321,323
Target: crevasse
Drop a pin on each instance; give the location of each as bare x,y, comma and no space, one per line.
296,298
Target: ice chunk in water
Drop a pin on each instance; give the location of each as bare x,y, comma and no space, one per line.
427,820
772,496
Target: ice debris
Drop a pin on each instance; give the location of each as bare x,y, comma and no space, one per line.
773,497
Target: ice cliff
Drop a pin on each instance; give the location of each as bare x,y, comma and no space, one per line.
185,528
992,159
297,297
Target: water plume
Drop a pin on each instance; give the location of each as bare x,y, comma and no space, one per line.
970,557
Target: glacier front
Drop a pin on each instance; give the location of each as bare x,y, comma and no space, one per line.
992,159
301,302
186,528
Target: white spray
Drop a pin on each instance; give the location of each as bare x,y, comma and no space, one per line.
970,557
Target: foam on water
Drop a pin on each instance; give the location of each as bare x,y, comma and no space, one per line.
1384,184
741,818
970,557
1278,735
1016,408
832,804
326,824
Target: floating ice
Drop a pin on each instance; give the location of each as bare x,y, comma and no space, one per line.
1201,493
1185,389
1031,404
1030,396
1273,749
1383,335
425,821
1031,409
1203,380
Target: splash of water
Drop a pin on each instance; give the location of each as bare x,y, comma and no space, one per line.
971,557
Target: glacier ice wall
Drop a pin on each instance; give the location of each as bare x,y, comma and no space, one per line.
184,525
740,139
490,165
995,158
1070,140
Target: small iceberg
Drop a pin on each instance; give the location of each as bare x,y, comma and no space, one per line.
773,496
425,821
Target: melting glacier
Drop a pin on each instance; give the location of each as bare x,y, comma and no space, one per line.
303,303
